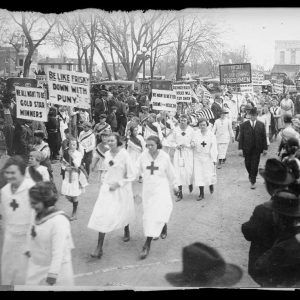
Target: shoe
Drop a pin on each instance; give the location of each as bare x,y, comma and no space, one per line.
179,196
144,252
190,188
253,186
155,238
98,255
223,161
163,235
73,218
211,189
126,238
219,166
200,197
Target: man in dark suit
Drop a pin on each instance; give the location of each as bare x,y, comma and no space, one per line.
216,108
253,142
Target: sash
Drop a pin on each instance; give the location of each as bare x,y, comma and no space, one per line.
152,127
101,151
103,128
44,147
136,142
85,137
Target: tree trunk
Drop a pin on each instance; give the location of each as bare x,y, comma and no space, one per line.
113,62
27,63
79,63
104,61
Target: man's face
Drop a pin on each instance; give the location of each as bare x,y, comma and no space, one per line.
253,117
37,140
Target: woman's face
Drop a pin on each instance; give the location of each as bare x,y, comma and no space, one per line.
32,161
183,121
104,138
13,175
203,126
135,131
266,109
112,142
151,145
38,206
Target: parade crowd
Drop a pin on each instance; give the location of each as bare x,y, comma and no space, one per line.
126,143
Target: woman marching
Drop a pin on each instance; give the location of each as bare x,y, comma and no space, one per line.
114,207
50,260
157,170
73,175
136,144
205,158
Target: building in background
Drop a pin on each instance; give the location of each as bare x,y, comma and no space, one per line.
287,58
64,63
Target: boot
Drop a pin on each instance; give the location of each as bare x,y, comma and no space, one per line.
223,160
219,164
126,237
201,196
179,195
164,233
211,188
74,216
146,248
99,252
190,188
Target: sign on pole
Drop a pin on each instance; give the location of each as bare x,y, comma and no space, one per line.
246,89
41,80
235,73
183,92
278,88
69,88
31,104
258,78
164,100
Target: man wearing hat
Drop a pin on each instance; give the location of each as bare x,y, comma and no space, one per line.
101,106
261,229
87,142
224,133
280,265
112,119
252,141
203,266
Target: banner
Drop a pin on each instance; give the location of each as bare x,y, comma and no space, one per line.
246,89
164,100
278,88
183,92
12,82
258,78
161,85
31,104
69,88
235,73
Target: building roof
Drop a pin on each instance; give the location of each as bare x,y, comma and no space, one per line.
286,69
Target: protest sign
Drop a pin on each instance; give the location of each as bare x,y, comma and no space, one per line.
31,104
161,84
68,88
41,80
258,78
164,100
278,88
246,89
183,92
235,73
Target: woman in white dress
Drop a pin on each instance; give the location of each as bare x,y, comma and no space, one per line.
158,174
71,173
34,170
114,207
264,119
224,133
205,158
287,105
50,244
135,144
99,155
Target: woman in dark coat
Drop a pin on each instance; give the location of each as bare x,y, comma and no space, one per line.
54,138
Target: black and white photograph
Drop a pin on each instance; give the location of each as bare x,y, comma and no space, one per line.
150,150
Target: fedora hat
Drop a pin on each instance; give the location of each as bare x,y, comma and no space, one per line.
253,111
224,111
103,116
248,107
276,172
204,266
285,202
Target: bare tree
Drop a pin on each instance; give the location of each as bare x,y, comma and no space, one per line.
192,34
36,27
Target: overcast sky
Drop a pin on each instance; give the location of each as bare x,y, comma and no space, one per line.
256,28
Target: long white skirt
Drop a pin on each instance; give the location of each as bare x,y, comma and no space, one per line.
222,150
205,171
183,165
112,210
13,261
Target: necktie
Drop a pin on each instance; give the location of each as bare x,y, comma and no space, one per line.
252,124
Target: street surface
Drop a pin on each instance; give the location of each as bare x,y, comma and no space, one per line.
216,221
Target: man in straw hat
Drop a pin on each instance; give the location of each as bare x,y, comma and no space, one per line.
203,266
261,229
252,141
280,265
224,133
